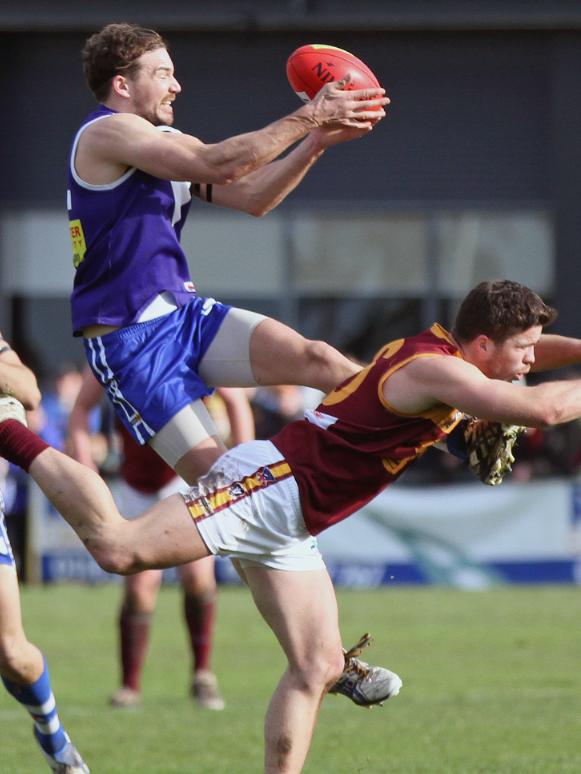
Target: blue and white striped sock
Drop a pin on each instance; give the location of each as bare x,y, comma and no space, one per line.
38,699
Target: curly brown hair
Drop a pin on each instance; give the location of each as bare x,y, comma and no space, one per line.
114,49
499,309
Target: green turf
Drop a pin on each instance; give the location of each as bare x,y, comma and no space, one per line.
491,684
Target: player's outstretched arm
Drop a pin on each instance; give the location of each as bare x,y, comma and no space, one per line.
333,108
428,382
553,351
265,188
127,140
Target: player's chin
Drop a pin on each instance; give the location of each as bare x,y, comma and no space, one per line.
165,116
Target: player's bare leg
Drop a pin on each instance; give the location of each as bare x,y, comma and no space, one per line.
163,536
247,350
198,581
141,591
197,461
20,660
26,678
301,609
189,443
137,607
250,349
280,355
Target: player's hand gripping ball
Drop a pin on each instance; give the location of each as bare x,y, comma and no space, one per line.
311,67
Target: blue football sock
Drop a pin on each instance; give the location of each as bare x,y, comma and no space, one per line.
39,701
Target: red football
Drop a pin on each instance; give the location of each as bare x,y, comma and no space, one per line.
310,67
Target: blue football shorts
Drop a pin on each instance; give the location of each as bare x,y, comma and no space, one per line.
150,370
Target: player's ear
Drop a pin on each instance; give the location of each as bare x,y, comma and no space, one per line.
120,86
484,343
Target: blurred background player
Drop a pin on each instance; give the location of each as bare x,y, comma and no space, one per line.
58,397
23,667
273,407
145,479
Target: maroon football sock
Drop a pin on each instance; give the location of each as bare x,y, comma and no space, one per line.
19,445
199,613
134,639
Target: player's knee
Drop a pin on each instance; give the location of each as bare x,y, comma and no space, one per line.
319,354
141,599
326,366
320,671
114,560
114,549
11,647
336,665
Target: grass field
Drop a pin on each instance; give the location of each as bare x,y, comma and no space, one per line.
492,683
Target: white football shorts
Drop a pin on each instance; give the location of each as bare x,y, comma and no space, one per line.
247,507
132,502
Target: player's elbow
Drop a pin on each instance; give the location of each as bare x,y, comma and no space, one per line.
113,558
255,209
253,199
258,210
215,170
548,415
229,166
230,171
263,202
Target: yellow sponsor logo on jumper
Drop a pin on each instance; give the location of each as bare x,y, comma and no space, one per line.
78,242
